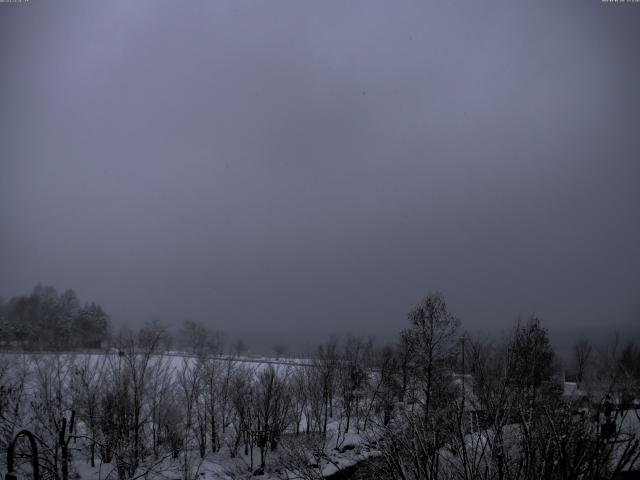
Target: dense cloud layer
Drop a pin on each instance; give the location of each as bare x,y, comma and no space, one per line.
322,165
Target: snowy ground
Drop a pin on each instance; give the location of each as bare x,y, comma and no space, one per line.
341,450
220,466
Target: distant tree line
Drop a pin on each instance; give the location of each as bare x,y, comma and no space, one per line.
46,319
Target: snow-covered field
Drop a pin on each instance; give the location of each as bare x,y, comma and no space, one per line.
339,450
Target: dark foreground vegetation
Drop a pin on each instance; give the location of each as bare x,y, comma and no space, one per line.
436,404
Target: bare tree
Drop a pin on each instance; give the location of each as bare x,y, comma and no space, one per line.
581,355
316,394
162,406
242,398
53,410
14,373
189,387
271,410
299,392
126,406
88,389
352,377
209,419
411,442
239,347
532,365
384,388
199,339
280,349
326,365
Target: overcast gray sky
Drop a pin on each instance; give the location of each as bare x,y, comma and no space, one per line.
320,166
